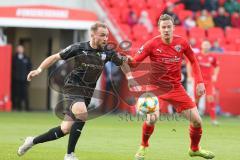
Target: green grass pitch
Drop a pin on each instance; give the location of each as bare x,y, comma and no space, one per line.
115,137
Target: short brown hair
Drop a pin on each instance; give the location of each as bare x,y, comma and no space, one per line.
165,17
96,25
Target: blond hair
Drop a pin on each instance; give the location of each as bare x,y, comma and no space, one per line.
96,25
165,17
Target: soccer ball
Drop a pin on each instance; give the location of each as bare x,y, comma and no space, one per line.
147,103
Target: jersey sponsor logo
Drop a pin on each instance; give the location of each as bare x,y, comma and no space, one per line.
85,52
140,50
159,50
103,56
178,48
171,60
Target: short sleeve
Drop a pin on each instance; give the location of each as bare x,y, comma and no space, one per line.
70,51
143,52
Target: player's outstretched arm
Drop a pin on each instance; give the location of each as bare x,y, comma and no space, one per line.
131,82
44,65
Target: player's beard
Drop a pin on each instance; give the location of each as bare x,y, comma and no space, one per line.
101,45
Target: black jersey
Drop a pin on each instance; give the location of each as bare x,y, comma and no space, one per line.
88,63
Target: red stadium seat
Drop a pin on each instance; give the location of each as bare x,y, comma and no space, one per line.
153,15
126,29
137,5
178,8
197,32
215,33
116,3
151,3
232,34
124,15
139,31
181,31
230,47
115,14
183,14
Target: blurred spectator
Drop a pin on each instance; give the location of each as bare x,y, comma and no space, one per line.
189,22
210,5
193,44
3,38
193,5
205,21
216,47
132,18
113,80
145,20
232,6
222,19
169,11
21,66
235,20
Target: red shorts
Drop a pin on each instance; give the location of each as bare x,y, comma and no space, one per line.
179,98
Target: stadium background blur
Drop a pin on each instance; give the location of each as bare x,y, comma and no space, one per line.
44,27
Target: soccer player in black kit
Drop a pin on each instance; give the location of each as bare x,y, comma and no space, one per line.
87,54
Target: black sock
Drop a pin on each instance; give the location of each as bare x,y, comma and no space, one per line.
51,135
74,135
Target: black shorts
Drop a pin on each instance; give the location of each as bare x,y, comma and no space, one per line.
64,107
71,100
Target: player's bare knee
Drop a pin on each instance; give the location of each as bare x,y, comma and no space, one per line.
197,123
80,111
65,128
82,116
152,118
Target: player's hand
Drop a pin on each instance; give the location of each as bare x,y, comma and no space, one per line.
133,85
33,74
200,89
129,58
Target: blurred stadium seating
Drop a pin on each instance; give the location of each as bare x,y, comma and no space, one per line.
154,8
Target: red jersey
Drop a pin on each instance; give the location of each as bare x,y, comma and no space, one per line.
166,59
207,63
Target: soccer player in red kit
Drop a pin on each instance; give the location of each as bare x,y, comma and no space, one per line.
166,52
209,67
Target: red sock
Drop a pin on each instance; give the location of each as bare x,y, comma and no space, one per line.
147,131
211,110
195,136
